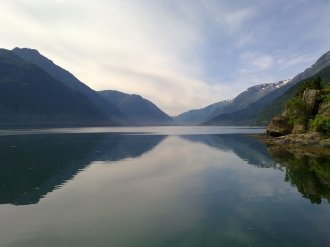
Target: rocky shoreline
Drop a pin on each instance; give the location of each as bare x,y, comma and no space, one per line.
304,126
312,139
308,143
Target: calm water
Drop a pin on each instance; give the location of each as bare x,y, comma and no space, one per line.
173,186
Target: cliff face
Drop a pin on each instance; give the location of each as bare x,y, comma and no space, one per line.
311,97
296,118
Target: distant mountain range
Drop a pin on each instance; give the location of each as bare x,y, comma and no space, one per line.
258,104
36,92
137,108
243,100
29,96
261,111
69,80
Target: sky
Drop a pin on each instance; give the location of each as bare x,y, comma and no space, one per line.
180,54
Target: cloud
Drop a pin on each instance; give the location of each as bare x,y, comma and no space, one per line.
255,61
135,48
179,54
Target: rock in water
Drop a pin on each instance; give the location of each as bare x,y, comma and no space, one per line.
279,126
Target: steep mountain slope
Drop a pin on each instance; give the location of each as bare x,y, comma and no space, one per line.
60,74
277,106
253,94
320,64
247,97
140,110
261,111
198,116
29,97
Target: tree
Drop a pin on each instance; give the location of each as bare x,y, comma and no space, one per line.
316,83
297,113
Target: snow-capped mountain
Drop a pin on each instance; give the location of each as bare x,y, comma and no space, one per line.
263,109
253,94
241,101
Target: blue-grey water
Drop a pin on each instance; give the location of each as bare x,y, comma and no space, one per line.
161,186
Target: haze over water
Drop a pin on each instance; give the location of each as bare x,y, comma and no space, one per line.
173,186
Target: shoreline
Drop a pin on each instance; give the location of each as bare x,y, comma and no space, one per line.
297,144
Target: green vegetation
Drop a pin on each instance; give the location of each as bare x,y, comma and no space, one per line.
277,106
325,94
311,176
262,111
296,108
314,83
301,112
321,124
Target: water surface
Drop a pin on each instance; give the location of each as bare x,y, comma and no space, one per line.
159,187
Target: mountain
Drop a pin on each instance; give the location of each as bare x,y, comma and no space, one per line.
277,105
140,110
252,94
261,111
321,63
253,114
31,97
198,116
60,74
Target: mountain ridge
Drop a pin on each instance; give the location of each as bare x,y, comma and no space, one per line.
68,79
235,115
241,101
29,96
252,106
139,109
262,111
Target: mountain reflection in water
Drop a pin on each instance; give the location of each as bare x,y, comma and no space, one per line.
309,173
115,189
34,165
248,149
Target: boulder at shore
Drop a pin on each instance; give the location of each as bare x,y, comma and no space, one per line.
279,126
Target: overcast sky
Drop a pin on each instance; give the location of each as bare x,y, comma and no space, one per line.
180,54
